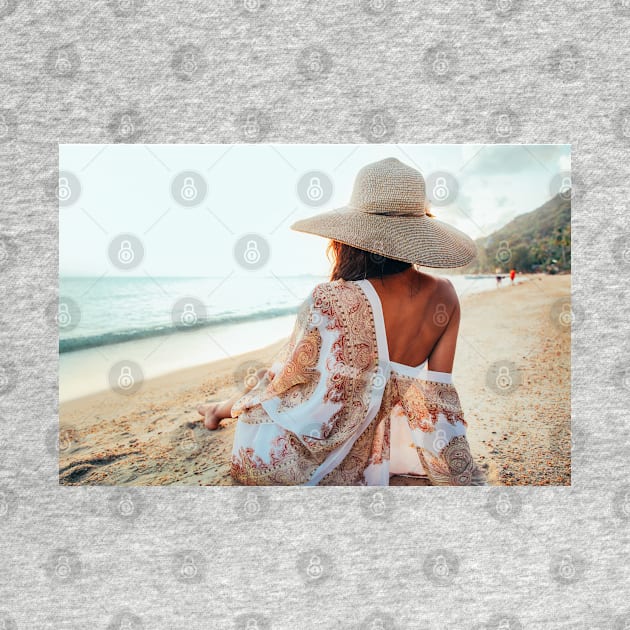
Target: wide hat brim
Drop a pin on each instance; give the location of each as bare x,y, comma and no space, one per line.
419,239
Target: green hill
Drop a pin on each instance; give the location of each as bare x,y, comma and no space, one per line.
539,240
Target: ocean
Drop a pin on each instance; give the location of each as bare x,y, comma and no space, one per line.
164,324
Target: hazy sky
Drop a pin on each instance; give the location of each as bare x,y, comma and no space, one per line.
254,189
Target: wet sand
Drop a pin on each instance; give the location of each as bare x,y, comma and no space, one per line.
519,422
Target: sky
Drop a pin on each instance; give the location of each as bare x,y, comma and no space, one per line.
259,190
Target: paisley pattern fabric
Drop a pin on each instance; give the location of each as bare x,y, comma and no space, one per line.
333,410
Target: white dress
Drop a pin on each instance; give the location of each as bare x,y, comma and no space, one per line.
334,410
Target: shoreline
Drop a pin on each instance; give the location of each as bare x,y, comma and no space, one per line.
84,372
155,436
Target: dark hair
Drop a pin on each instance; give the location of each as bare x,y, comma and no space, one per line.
351,263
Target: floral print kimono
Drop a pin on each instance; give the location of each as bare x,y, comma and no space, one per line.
336,411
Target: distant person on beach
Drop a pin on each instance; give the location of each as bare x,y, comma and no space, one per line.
363,389
499,278
512,275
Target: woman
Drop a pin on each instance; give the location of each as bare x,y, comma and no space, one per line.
363,388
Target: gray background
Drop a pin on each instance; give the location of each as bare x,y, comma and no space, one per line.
557,558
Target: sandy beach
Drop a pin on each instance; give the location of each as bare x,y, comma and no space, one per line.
521,434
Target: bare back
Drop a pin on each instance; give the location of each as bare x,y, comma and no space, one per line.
421,325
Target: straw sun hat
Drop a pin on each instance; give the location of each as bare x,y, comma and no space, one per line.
387,216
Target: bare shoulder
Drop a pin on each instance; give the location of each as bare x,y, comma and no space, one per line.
443,289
